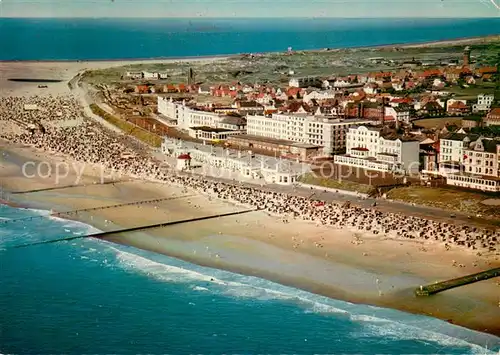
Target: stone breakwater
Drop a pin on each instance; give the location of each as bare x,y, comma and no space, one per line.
91,143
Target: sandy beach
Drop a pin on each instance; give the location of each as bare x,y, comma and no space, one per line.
64,71
350,265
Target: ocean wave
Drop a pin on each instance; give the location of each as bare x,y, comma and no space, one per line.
401,331
234,285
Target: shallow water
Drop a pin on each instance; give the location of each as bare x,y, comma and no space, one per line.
94,296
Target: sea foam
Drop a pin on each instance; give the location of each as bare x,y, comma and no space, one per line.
384,325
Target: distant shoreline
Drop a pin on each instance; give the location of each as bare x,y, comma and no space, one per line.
441,42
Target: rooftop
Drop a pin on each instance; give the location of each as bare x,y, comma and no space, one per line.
273,141
210,129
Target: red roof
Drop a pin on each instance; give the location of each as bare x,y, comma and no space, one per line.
184,157
489,70
458,104
432,72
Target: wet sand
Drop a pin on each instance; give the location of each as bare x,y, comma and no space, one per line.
261,245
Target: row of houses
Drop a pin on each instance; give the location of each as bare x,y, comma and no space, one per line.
139,75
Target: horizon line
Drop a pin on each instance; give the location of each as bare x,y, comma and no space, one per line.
250,17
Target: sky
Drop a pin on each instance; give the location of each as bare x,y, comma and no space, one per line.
250,8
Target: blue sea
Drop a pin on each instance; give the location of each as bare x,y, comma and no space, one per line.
91,296
98,39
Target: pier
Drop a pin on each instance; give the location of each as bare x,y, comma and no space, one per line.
101,235
437,287
99,208
67,187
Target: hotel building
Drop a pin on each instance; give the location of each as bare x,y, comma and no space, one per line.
326,132
200,124
480,165
368,148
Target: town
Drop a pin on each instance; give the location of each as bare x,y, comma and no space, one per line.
436,123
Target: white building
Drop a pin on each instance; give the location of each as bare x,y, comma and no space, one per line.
304,82
451,152
134,74
151,76
187,117
368,148
244,165
319,95
484,102
326,132
400,113
481,169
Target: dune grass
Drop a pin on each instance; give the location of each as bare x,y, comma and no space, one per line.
127,127
331,183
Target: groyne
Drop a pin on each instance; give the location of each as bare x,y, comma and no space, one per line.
102,235
66,187
98,208
437,287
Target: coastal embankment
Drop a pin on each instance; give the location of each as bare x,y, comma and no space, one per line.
349,265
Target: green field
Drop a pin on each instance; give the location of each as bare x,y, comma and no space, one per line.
310,179
446,198
127,127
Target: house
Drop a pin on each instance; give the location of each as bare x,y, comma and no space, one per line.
484,102
399,113
471,122
249,107
149,76
304,82
181,88
134,75
482,71
493,117
169,88
457,107
398,85
371,88
437,83
142,89
431,108
470,80
204,90
379,77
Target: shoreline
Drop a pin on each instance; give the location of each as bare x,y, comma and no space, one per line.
250,251
394,302
145,60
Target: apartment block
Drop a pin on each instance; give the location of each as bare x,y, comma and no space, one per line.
326,132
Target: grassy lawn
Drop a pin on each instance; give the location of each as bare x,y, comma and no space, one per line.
334,183
449,199
438,122
127,127
471,92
